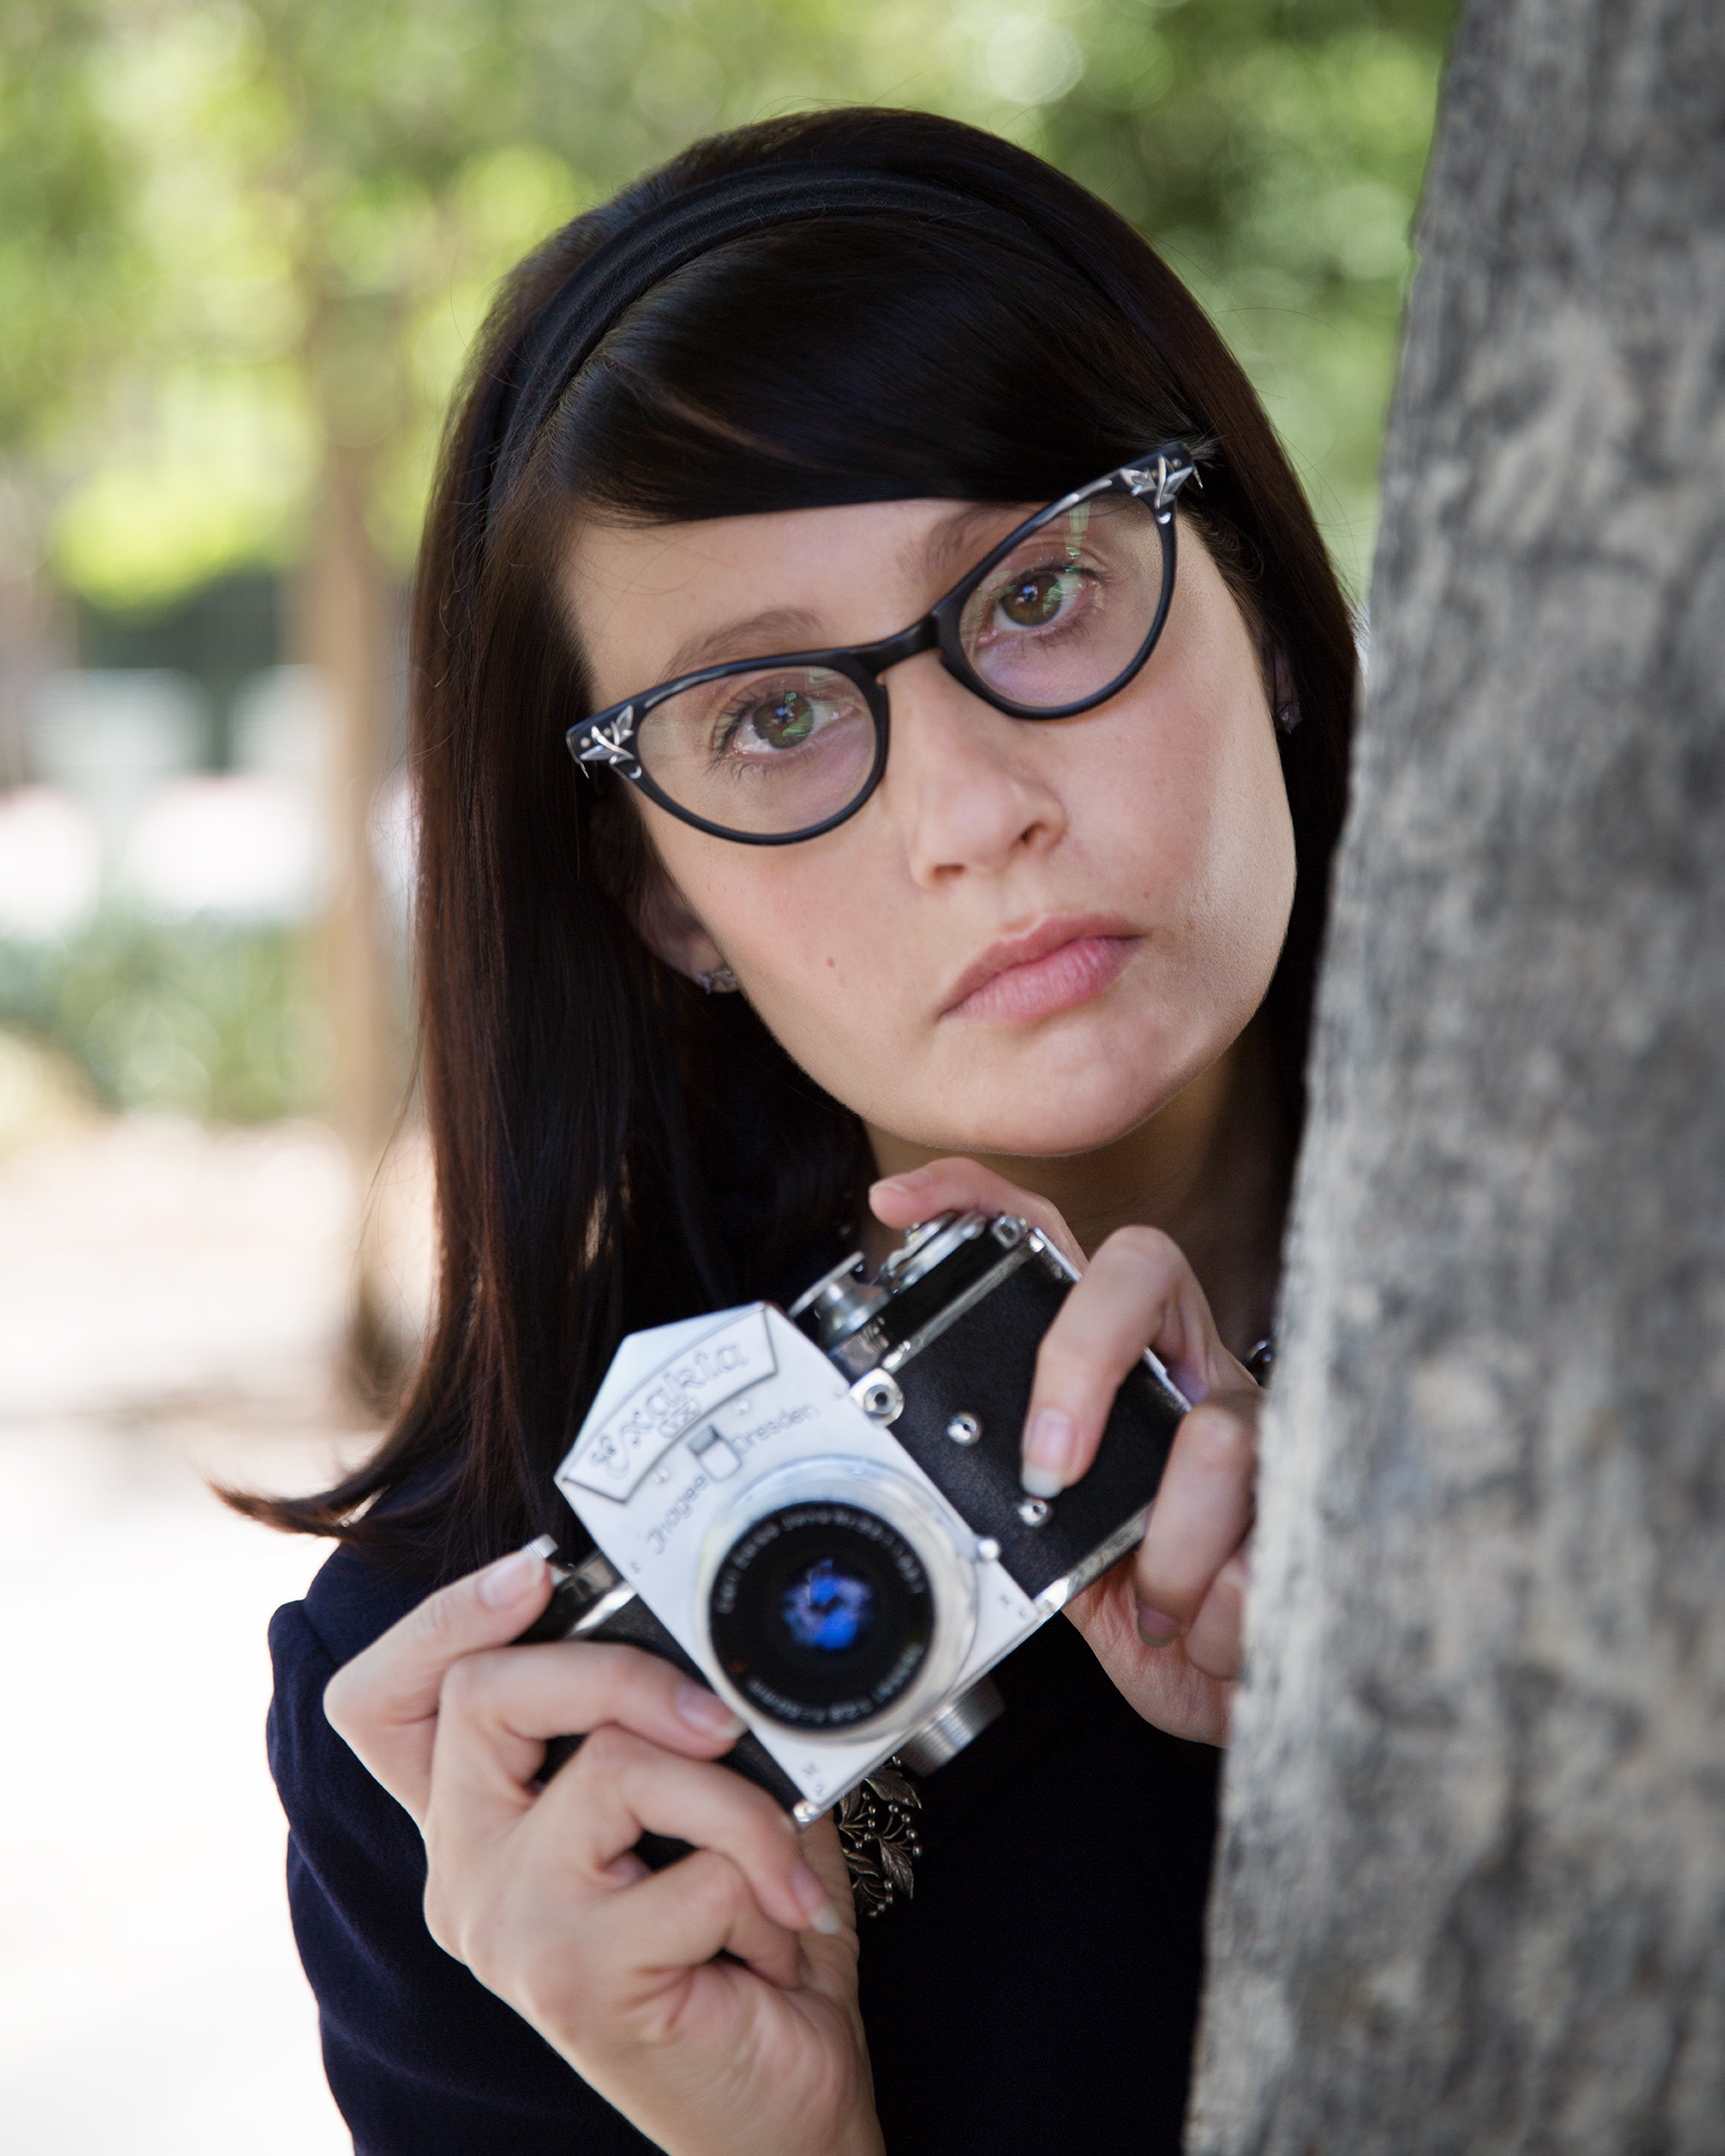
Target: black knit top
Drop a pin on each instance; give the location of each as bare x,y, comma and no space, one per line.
1038,1994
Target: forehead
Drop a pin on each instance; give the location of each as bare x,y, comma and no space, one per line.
650,600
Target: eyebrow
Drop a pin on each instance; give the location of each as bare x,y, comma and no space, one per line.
777,629
952,546
941,555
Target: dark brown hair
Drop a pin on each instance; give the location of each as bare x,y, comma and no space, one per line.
613,1149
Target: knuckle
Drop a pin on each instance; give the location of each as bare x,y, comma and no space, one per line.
438,1617
565,1992
716,1882
1214,1650
606,1752
1028,1205
439,1916
771,1832
467,1684
1068,1370
1144,1250
568,1977
344,1699
750,1807
1220,1436
501,1938
1084,1354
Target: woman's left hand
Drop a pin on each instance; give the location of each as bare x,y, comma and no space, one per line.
1165,1624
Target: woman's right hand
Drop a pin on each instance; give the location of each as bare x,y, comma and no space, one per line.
1167,1623
538,1893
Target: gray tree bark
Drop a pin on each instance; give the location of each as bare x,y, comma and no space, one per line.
1471,1885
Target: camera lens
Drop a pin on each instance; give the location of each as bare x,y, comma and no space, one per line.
822,1615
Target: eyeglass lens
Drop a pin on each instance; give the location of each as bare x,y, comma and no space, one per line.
1056,622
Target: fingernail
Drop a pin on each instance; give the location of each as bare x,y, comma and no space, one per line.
914,1179
1049,1444
817,1904
707,1712
509,1578
1154,1629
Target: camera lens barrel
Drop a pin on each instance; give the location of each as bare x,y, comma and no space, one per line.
822,1614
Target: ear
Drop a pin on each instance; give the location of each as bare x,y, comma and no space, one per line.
1284,702
672,932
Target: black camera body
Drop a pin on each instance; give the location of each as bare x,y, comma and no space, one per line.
818,1515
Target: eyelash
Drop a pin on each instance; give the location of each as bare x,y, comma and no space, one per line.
1089,573
729,717
727,720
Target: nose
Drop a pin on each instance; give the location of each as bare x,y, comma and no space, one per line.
963,781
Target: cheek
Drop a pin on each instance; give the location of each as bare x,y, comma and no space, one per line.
801,929
1187,808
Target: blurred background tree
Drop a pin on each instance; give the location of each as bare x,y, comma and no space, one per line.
244,247
1273,151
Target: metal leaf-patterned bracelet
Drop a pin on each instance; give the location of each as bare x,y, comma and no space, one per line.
878,1833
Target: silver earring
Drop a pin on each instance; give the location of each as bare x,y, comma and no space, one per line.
1288,715
721,981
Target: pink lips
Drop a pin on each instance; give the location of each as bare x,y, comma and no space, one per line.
1058,965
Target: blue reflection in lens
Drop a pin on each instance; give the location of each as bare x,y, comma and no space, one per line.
827,1608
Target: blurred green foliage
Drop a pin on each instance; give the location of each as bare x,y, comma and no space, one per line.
70,266
1273,151
203,1017
234,229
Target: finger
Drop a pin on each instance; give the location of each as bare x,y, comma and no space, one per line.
1202,1514
1139,1293
702,1906
962,1186
384,1702
824,1854
831,1959
619,1787
498,1710
1214,1642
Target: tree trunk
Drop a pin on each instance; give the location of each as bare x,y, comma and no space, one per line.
35,622
1471,1885
348,633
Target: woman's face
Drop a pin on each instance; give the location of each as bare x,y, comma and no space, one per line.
1034,934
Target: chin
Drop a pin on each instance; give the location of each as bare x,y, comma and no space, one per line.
1037,1138
1073,1092
1045,1120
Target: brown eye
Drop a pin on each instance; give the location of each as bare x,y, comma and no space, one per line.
1033,601
785,721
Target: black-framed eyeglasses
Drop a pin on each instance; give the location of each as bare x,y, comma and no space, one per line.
1053,621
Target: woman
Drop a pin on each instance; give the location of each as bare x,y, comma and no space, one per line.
735,989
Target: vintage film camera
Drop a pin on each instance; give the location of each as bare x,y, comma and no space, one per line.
819,1513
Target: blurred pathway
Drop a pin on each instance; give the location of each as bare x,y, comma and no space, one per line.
169,1303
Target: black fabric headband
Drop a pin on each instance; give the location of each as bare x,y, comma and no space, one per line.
603,284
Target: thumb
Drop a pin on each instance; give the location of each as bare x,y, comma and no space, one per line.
383,1703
